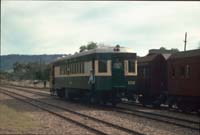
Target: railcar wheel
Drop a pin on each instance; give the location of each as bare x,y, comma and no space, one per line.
187,108
92,100
114,103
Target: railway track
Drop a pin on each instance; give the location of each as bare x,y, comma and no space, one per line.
82,121
37,88
38,92
176,110
184,123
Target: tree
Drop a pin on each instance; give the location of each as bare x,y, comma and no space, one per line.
31,71
82,48
89,46
174,50
163,48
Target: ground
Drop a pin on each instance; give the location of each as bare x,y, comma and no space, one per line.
17,117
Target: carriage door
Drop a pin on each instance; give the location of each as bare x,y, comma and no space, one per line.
118,78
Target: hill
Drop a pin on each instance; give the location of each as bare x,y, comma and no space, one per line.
7,61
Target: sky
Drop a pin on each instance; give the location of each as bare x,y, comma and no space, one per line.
61,27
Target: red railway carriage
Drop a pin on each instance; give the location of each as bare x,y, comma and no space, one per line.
152,77
184,79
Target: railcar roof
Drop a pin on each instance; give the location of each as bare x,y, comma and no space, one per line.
185,54
97,50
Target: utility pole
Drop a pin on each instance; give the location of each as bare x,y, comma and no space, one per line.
185,41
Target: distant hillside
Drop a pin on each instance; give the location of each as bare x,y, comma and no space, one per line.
7,61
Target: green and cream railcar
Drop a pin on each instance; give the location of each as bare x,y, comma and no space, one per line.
98,75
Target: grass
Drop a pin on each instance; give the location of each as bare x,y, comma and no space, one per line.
11,119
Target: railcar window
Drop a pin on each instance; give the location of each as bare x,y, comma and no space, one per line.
131,66
82,67
72,68
87,66
102,66
61,70
79,66
56,71
67,69
76,69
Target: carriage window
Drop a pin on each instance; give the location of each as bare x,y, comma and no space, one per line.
173,71
187,73
131,66
102,66
182,71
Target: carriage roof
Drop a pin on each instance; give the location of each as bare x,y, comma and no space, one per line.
185,54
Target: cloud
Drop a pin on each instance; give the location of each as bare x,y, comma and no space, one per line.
37,27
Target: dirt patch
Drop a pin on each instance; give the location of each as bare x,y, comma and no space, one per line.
17,117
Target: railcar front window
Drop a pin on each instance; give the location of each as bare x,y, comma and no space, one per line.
131,66
102,66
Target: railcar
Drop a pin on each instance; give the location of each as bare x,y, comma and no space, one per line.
184,80
152,78
99,75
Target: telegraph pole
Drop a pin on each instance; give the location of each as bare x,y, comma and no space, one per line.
185,41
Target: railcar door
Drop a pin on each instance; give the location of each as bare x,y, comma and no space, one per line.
118,78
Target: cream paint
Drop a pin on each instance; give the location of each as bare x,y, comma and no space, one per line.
126,69
108,73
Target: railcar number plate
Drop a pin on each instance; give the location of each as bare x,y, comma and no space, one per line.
131,82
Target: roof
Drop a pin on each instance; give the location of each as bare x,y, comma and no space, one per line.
185,54
97,50
147,58
166,56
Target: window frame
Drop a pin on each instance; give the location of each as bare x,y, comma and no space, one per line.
108,68
126,70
